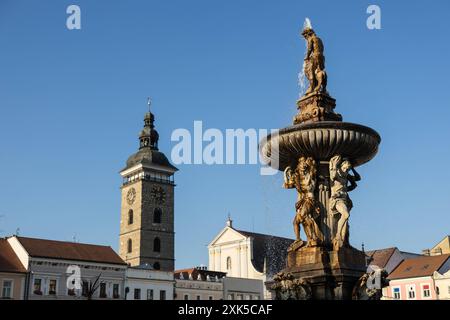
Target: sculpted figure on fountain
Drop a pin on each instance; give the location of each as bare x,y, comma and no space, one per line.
340,203
303,178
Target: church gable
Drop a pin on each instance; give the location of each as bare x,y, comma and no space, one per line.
227,235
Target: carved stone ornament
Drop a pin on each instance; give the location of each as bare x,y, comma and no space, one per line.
131,196
287,287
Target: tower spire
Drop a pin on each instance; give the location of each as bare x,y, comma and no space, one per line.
149,137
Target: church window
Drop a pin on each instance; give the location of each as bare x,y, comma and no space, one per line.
157,245
130,246
229,263
130,216
157,213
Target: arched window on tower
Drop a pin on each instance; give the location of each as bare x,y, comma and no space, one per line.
130,216
228,263
157,214
156,266
157,245
129,245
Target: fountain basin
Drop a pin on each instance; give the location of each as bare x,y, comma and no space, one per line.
321,140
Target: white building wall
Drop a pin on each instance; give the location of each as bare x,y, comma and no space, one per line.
146,280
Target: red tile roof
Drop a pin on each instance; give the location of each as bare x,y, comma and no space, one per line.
380,257
419,267
9,262
52,249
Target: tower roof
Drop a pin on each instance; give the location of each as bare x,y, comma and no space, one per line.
149,153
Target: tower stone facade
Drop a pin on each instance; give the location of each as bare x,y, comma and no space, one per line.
147,211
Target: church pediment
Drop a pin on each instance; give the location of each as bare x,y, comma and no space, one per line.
227,235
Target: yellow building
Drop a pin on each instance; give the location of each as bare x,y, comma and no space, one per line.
443,247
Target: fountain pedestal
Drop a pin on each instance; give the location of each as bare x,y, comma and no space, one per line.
331,275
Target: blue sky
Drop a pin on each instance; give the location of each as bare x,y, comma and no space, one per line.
72,104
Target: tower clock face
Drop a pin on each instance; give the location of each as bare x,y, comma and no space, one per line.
131,196
158,194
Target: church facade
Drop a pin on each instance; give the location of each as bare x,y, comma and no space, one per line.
243,254
147,205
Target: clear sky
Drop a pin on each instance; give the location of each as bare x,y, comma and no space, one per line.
72,104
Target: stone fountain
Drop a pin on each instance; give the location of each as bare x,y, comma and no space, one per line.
318,155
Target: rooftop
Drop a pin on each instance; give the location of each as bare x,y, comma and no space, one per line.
63,250
9,262
198,274
419,267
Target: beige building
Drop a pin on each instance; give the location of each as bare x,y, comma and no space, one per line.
243,254
12,273
443,247
198,284
442,284
147,211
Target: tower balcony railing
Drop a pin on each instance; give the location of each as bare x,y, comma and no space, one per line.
167,180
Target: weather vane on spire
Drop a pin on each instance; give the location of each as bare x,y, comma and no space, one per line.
149,103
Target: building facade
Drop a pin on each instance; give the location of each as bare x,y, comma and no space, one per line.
413,279
442,247
12,273
243,254
442,284
147,284
147,211
52,266
198,284
242,289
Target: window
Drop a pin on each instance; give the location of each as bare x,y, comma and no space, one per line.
116,294
186,297
156,266
102,290
411,292
85,288
37,286
52,287
157,214
149,294
210,297
130,246
130,216
162,295
198,297
396,293
7,289
157,245
137,294
229,263
426,291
